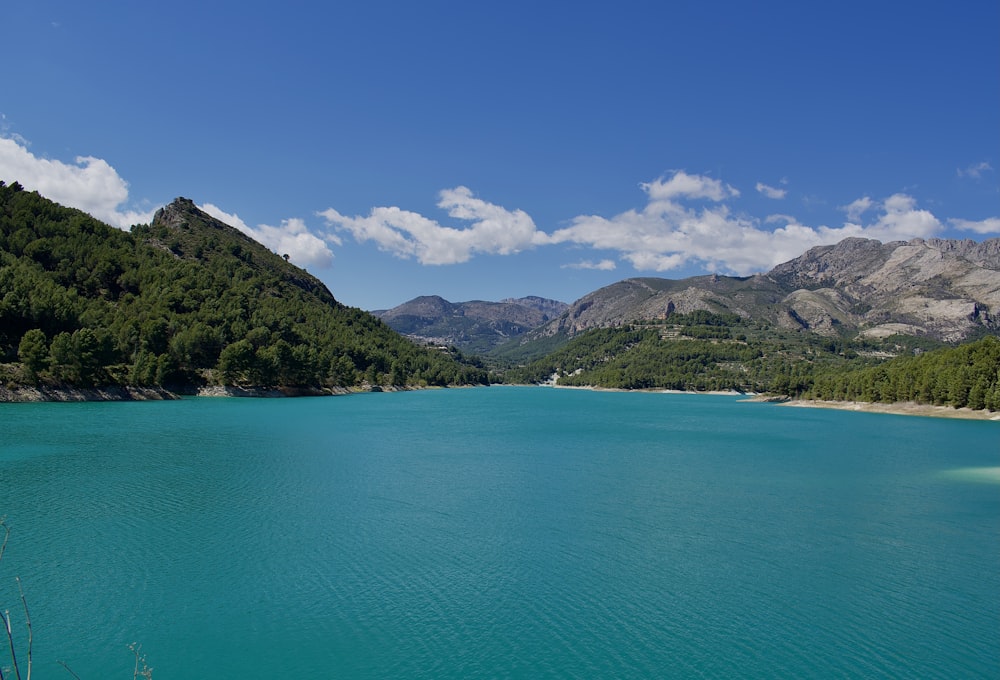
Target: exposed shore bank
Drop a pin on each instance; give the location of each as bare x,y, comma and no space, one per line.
24,393
722,393
907,408
28,394
270,392
21,394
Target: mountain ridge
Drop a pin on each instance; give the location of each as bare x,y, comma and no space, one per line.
186,224
941,288
474,326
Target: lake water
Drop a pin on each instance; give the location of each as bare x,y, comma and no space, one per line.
500,532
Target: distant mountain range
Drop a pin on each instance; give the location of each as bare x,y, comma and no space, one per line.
946,290
943,289
474,326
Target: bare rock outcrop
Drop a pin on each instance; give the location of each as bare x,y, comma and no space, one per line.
941,288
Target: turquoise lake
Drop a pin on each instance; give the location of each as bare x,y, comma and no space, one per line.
502,532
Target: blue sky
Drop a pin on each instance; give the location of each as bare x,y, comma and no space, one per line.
490,150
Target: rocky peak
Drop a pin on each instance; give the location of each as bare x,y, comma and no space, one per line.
544,305
197,235
840,264
176,214
983,254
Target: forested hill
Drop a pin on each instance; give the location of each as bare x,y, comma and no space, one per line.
967,376
702,351
190,233
182,302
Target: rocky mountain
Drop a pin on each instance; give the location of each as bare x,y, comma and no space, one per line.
550,308
474,326
943,289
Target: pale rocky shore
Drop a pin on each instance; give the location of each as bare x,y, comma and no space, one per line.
907,408
24,393
116,393
219,391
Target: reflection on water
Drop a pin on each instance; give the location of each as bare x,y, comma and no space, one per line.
988,475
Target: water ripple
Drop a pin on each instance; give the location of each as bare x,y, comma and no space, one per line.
502,533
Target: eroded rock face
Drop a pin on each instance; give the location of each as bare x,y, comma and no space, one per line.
942,288
823,311
835,266
176,214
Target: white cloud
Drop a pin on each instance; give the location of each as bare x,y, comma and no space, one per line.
988,226
495,230
603,265
5,132
292,238
855,209
686,220
683,185
89,184
901,221
232,219
668,234
771,192
976,171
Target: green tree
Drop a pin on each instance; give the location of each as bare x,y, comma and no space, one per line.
33,351
61,357
235,363
144,368
397,376
342,371
264,367
86,356
167,370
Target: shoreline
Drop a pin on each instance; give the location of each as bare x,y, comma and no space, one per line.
23,394
905,408
591,388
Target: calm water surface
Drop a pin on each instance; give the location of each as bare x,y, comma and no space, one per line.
501,533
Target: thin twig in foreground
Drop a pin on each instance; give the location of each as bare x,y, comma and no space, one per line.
27,621
10,639
69,670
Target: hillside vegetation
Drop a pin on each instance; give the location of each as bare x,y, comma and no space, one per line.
967,376
182,302
858,320
704,351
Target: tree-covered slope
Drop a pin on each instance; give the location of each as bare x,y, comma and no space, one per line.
706,351
967,376
695,351
180,302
